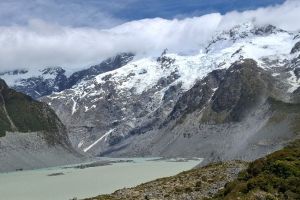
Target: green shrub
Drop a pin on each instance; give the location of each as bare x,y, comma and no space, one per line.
276,176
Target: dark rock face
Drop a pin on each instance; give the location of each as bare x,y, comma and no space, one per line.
3,85
107,65
31,134
40,86
266,30
296,48
21,113
296,95
198,95
243,87
297,72
232,93
53,79
164,60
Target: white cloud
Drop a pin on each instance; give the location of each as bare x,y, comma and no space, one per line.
41,44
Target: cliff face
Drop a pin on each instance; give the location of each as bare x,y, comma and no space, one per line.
31,134
20,113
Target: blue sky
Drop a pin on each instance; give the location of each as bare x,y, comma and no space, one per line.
108,13
181,8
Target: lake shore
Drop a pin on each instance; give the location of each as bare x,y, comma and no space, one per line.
87,179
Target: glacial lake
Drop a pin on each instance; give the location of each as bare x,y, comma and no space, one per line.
65,183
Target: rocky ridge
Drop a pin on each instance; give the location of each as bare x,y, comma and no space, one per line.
45,81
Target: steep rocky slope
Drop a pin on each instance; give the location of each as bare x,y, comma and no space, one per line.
234,99
31,135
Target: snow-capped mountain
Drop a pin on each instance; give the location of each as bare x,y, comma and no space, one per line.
179,104
219,103
41,82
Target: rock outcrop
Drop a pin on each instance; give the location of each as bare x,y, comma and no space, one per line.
31,134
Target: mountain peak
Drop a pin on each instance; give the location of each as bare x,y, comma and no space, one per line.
250,36
250,28
121,58
53,70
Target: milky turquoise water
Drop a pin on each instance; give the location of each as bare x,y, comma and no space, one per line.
88,182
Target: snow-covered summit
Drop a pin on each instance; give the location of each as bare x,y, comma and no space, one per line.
245,41
38,82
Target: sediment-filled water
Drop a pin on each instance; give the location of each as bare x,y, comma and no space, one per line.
67,183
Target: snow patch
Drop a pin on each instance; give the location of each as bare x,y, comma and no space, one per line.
74,106
294,82
97,141
80,144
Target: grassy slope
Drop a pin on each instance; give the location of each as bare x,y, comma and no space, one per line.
28,114
276,176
